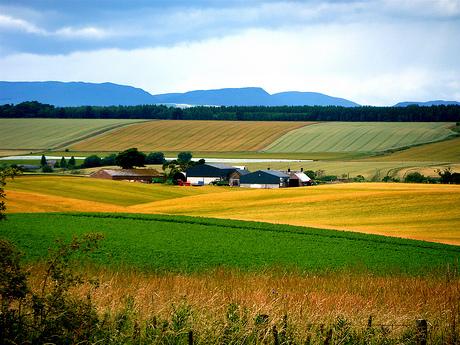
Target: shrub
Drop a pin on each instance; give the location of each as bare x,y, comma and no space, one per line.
92,162
47,169
109,160
415,177
155,158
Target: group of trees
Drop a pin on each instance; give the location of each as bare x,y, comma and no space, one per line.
62,164
450,113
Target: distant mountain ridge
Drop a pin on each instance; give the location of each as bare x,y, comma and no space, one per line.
105,94
427,104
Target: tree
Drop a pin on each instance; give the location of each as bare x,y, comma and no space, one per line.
130,158
155,158
415,177
109,160
184,157
92,161
43,161
63,163
71,164
4,174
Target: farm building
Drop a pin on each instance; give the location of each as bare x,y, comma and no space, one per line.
235,177
141,175
265,179
202,174
299,179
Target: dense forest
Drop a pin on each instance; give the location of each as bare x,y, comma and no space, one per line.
448,113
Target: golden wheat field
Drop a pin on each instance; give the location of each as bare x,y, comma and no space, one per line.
418,211
395,301
167,135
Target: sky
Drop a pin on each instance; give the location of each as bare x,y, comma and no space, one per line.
371,52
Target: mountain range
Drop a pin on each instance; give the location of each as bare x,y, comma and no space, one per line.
105,94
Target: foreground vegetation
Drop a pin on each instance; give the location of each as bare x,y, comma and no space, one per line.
60,303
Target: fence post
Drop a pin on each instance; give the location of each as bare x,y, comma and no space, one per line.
275,335
190,337
422,331
369,322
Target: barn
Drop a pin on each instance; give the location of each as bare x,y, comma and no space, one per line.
299,179
203,174
265,179
140,175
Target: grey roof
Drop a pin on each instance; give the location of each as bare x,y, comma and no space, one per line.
243,171
130,172
275,173
220,166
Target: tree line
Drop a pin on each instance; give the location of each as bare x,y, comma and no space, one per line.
413,113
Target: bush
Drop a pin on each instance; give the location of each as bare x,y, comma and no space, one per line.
50,315
92,162
155,158
109,160
415,177
47,169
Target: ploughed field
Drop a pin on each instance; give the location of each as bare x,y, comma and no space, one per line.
418,211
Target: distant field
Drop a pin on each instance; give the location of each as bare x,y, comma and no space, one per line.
359,136
445,151
191,136
186,244
35,134
425,212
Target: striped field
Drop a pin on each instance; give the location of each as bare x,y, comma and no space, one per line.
426,212
359,136
33,134
191,136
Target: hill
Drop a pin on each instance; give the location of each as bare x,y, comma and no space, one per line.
427,104
251,96
105,94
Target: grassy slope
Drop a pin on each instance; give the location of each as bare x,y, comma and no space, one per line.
425,212
359,136
49,133
445,151
196,244
101,190
191,135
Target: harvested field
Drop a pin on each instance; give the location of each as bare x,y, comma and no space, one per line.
170,135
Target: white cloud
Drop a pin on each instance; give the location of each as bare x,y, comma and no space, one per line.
85,32
12,23
378,65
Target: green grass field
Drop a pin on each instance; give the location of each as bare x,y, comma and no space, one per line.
188,244
359,136
40,134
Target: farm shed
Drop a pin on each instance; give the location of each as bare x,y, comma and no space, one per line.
202,174
141,175
234,178
265,179
299,179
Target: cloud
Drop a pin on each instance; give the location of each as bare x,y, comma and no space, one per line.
12,23
369,64
85,33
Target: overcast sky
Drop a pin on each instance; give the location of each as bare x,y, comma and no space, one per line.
371,52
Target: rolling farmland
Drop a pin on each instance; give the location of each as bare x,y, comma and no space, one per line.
403,210
187,244
42,134
191,136
359,136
